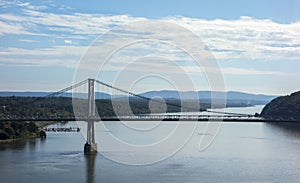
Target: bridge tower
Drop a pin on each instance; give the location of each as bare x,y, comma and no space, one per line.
90,146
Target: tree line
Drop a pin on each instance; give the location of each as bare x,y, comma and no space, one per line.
62,106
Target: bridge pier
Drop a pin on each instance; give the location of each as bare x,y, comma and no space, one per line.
90,147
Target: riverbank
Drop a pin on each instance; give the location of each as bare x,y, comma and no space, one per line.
42,124
7,141
15,131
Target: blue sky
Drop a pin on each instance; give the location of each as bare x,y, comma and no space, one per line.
256,43
284,11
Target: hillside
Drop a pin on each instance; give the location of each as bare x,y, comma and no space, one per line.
98,95
284,107
17,130
234,98
62,106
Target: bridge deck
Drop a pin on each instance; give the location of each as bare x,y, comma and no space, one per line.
216,118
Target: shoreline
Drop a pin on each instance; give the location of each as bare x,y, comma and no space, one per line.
36,135
8,141
42,124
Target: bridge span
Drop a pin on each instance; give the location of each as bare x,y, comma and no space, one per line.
91,116
158,117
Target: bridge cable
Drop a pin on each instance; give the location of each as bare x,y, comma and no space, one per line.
132,94
61,91
149,99
67,89
144,98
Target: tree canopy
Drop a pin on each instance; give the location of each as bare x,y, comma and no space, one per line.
284,108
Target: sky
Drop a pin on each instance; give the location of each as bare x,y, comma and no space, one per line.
256,44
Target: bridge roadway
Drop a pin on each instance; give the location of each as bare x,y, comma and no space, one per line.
225,118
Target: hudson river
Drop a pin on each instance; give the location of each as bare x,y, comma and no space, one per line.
240,152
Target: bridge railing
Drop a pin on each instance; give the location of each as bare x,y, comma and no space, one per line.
160,116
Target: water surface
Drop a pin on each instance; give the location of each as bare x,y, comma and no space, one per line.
241,152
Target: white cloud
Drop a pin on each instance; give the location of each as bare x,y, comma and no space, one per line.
7,4
28,41
77,23
236,71
68,41
11,28
251,71
244,38
32,7
66,56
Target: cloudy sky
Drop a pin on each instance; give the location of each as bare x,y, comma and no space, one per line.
255,43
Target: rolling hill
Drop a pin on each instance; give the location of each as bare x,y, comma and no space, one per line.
233,97
284,107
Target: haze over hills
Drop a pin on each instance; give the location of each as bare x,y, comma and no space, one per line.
204,96
230,95
233,97
98,95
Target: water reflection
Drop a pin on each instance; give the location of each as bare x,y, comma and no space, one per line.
31,145
260,152
90,167
28,144
17,145
290,129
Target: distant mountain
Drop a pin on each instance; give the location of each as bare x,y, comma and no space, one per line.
23,94
205,96
283,108
98,95
247,97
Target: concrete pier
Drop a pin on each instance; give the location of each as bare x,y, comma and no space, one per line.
90,146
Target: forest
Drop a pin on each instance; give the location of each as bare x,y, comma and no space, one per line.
19,130
63,106
285,108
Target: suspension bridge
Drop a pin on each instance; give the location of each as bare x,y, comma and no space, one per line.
91,116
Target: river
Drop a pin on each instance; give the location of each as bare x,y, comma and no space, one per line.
240,152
